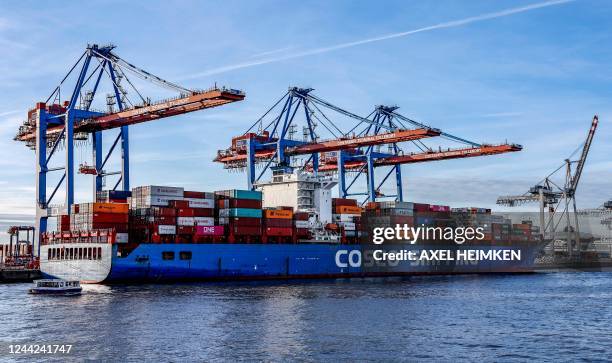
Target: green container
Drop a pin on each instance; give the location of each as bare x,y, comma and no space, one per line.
241,194
245,212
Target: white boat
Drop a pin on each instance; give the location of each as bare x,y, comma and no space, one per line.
56,287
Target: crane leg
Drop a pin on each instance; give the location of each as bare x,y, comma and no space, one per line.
97,156
341,175
41,173
125,158
398,182
371,183
250,164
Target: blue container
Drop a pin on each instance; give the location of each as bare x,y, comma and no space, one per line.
245,212
241,194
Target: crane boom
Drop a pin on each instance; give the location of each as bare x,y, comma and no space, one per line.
339,144
350,143
431,156
181,105
585,152
512,200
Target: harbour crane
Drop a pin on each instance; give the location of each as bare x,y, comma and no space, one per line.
554,197
269,143
68,116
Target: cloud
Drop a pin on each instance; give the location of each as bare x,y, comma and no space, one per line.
270,52
449,24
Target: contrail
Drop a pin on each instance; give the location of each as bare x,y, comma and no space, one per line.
449,24
2,114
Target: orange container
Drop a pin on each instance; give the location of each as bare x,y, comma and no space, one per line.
347,209
110,208
278,213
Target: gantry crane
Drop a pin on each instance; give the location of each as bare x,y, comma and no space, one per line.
363,161
552,197
271,143
59,122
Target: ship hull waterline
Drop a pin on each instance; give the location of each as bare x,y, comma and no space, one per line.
247,262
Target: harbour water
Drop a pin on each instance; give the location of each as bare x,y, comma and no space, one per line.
542,316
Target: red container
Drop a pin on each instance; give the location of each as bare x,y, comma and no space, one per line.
278,231
278,222
109,218
343,202
245,230
161,211
118,227
179,204
239,203
63,223
210,230
190,194
185,230
418,207
185,212
301,232
164,220
300,216
203,212
245,222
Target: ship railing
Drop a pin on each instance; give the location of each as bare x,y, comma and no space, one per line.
92,236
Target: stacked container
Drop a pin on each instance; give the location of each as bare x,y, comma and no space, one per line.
301,226
63,223
113,196
153,195
386,214
101,216
163,214
240,211
522,231
496,228
347,214
278,225
156,222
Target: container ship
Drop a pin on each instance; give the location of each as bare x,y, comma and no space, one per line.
291,228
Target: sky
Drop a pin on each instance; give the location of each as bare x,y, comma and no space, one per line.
528,72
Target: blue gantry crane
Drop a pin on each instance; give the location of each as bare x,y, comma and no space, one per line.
271,143
60,121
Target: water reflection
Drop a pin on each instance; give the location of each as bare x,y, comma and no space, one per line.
501,317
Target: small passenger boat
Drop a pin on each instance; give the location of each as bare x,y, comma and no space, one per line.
56,287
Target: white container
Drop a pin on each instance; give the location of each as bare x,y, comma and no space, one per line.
201,203
343,217
204,221
155,201
166,229
185,221
162,190
302,224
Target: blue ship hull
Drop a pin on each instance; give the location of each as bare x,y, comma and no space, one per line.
291,261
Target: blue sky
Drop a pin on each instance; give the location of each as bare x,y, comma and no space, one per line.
534,77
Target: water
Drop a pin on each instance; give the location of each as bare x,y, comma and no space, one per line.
555,316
